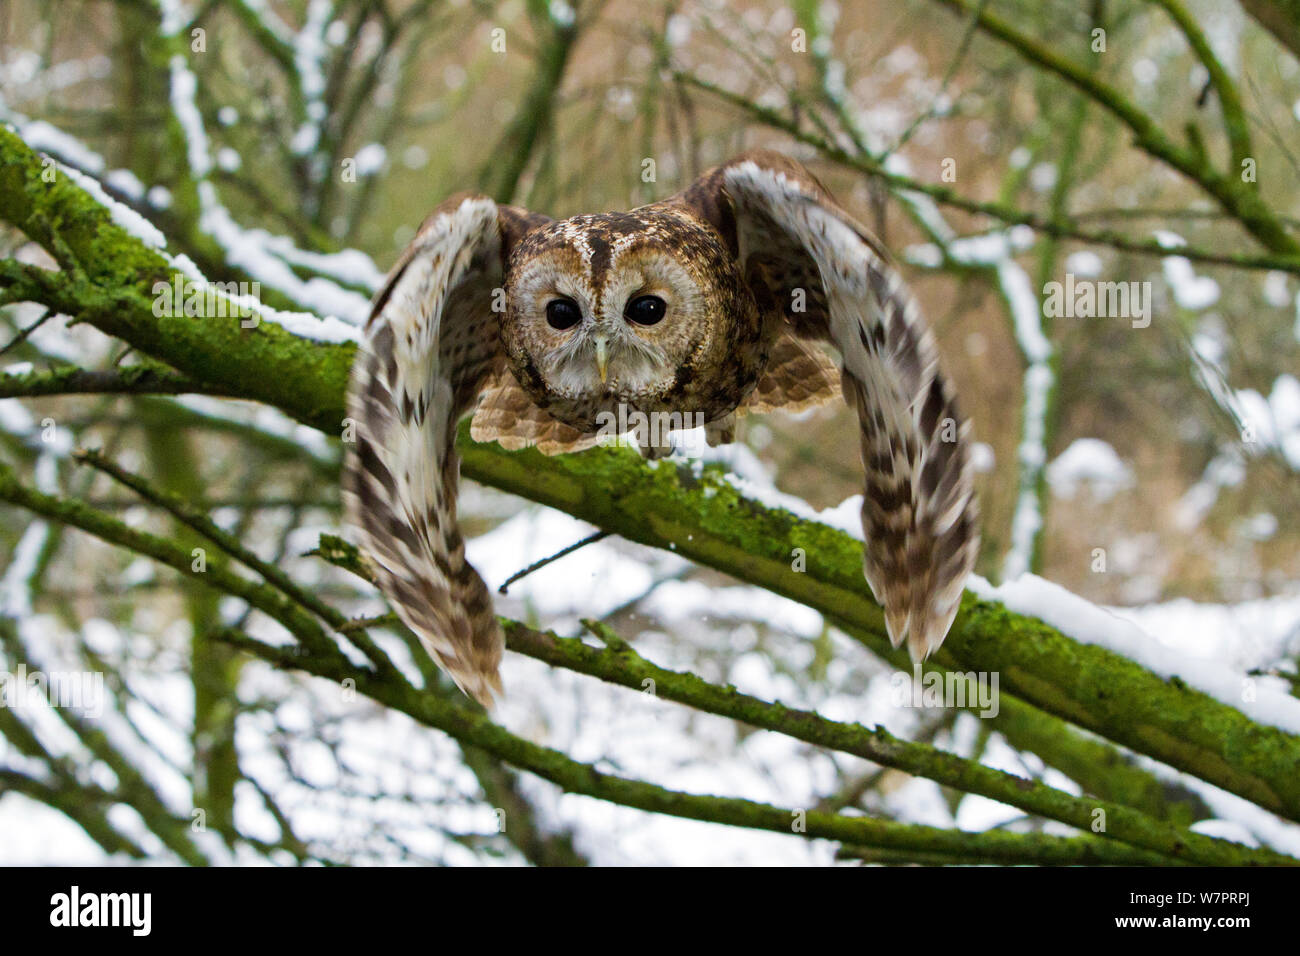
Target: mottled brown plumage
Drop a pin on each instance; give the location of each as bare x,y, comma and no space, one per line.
710,303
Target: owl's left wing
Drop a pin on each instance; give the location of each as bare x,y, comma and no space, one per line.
811,267
432,341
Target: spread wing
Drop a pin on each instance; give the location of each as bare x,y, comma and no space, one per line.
432,341
806,260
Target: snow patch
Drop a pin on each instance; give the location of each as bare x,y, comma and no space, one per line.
1089,461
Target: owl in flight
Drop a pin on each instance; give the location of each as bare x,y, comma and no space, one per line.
713,302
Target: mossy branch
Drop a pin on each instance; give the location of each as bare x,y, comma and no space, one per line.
476,728
500,176
469,726
1234,114
620,664
131,380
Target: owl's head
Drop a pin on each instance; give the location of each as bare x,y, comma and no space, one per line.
618,307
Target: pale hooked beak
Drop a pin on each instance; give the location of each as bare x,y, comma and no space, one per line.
602,358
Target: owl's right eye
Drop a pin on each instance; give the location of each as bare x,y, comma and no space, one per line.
562,314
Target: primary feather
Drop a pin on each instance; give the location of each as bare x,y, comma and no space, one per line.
919,514
423,357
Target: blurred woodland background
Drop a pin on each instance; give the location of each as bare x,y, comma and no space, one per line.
995,145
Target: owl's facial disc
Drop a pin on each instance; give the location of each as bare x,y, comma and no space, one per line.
614,329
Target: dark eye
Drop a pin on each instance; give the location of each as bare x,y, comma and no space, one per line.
562,314
645,309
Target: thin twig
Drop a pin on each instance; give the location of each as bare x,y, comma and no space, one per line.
537,565
22,336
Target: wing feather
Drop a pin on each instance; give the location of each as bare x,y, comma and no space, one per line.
798,375
431,342
919,513
507,415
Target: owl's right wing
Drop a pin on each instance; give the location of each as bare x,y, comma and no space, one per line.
432,341
822,276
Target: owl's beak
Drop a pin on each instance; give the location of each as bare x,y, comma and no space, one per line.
602,358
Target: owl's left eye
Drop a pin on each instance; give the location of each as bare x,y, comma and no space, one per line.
562,314
646,309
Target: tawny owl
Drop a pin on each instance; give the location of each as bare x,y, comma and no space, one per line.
708,303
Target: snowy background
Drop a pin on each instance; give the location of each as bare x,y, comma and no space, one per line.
1139,485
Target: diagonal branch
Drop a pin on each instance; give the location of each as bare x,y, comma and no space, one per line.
477,729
